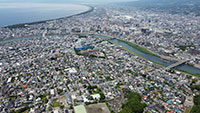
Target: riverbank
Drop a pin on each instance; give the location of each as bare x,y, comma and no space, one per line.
140,48
90,9
188,73
164,57
144,50
197,65
187,69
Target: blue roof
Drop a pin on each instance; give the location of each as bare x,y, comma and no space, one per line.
176,110
66,111
85,48
169,101
151,86
149,106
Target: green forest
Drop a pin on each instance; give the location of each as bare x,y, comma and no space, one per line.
134,104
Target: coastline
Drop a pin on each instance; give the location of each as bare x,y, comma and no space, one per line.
91,8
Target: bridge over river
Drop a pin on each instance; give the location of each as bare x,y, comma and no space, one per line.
176,64
156,59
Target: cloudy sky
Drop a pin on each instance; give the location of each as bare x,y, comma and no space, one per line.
64,1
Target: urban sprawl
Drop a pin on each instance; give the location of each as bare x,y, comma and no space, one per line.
73,71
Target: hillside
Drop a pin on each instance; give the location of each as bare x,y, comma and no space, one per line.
171,6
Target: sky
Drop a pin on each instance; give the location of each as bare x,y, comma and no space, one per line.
64,1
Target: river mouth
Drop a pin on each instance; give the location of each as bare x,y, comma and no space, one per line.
156,59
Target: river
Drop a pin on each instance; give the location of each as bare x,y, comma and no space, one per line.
156,59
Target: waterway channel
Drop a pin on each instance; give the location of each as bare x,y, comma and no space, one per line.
156,59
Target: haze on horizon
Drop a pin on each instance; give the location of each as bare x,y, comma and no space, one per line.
65,1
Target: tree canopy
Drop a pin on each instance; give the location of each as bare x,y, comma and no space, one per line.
196,106
133,105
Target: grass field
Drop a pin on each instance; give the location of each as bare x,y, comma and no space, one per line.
56,104
188,109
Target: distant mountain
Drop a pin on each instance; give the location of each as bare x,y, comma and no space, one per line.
172,6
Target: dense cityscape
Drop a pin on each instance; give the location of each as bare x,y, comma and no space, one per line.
65,65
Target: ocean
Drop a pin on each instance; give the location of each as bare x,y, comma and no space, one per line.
18,13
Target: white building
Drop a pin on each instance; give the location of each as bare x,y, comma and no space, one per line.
96,96
52,92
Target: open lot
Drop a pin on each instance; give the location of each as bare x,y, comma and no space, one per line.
97,108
